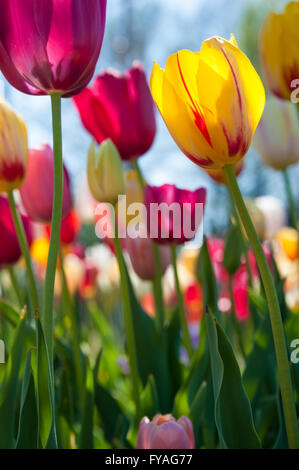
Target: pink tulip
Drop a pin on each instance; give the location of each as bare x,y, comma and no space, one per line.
164,432
168,225
50,46
120,107
142,257
37,192
10,251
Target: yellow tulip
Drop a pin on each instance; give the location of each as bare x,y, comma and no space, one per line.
211,101
13,148
278,46
105,173
288,239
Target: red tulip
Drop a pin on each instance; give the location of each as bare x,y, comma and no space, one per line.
50,46
120,107
10,251
70,227
164,432
193,298
173,214
37,192
240,293
142,257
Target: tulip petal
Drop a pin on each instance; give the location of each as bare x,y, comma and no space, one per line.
169,435
179,119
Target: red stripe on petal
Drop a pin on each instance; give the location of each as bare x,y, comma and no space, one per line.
199,119
239,144
12,172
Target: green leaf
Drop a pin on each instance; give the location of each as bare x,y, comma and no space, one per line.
199,366
157,354
113,420
233,249
233,415
205,275
28,420
9,387
45,393
149,399
86,436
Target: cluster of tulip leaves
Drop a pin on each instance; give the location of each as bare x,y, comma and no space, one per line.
232,399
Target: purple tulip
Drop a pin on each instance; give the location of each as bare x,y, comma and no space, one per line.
173,214
50,46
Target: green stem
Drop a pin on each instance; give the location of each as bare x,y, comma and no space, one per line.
129,324
25,250
242,237
284,376
75,332
157,289
291,202
16,287
48,300
186,333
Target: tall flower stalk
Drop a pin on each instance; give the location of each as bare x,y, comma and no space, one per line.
48,299
284,375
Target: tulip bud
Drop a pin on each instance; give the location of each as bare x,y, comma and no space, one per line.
142,258
276,138
257,218
274,212
105,173
37,191
10,251
164,432
13,148
278,48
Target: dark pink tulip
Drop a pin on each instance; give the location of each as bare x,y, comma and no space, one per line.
10,251
50,46
173,214
37,192
120,107
164,432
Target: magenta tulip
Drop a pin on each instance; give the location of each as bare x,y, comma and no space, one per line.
173,214
37,192
49,46
142,257
120,107
10,251
164,432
